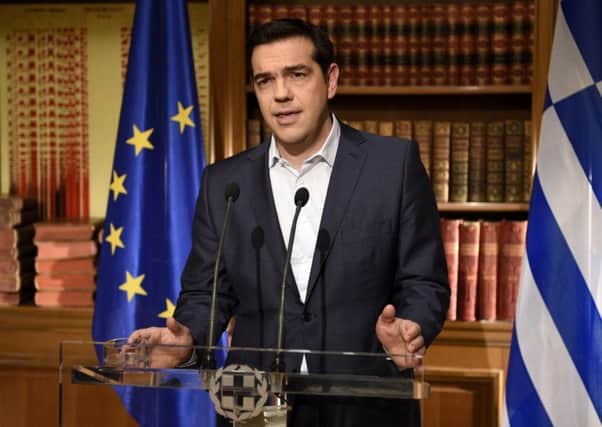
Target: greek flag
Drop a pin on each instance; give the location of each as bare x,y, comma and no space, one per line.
555,367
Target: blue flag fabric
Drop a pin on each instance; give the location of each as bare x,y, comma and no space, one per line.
154,184
555,366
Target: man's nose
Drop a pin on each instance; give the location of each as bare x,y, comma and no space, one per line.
282,91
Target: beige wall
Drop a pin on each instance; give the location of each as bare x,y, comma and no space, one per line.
103,22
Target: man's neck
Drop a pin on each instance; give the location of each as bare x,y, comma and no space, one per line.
297,154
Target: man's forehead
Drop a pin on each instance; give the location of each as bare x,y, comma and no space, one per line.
282,54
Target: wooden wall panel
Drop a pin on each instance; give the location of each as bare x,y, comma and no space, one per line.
463,397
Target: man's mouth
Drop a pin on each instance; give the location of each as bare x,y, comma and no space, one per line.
286,117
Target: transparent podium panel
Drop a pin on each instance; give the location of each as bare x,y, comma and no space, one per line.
253,386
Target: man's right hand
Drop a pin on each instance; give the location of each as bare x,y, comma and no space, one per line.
156,338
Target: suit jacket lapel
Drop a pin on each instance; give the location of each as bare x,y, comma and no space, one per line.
343,180
265,213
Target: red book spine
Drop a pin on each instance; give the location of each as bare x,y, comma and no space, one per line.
487,281
64,298
468,270
450,233
512,248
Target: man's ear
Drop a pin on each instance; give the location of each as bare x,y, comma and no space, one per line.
333,80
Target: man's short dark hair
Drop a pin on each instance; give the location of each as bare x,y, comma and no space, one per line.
281,29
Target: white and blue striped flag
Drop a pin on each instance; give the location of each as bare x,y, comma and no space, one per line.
555,367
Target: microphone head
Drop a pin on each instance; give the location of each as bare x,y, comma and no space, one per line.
232,191
301,197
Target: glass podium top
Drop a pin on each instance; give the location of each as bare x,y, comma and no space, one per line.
244,382
343,373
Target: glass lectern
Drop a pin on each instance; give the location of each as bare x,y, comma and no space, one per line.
248,389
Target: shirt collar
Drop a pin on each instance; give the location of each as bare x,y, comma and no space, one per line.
327,153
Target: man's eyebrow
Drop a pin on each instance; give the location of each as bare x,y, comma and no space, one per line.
297,67
261,75
288,69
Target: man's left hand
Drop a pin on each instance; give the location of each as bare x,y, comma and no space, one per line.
400,337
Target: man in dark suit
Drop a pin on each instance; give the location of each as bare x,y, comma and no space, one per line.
367,268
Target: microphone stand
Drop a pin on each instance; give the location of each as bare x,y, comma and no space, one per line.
208,357
301,198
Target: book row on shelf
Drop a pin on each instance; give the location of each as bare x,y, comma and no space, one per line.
47,263
53,263
399,44
467,161
484,265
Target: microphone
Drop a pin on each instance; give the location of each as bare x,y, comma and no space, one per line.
231,192
301,198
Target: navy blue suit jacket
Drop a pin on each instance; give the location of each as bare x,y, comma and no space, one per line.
379,243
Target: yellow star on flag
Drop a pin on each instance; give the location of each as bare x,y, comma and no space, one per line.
132,285
169,309
183,117
117,186
140,139
114,238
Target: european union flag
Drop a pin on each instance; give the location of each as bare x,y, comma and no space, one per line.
154,183
555,367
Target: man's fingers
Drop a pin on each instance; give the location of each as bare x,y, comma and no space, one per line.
410,330
416,344
138,335
173,325
388,314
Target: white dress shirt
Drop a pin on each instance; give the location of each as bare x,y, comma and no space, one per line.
286,180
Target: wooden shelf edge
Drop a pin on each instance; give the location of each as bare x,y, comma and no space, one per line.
430,90
482,207
480,333
434,90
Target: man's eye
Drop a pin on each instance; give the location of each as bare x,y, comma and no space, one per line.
298,75
262,82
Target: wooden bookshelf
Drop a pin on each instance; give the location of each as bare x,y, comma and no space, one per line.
467,363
